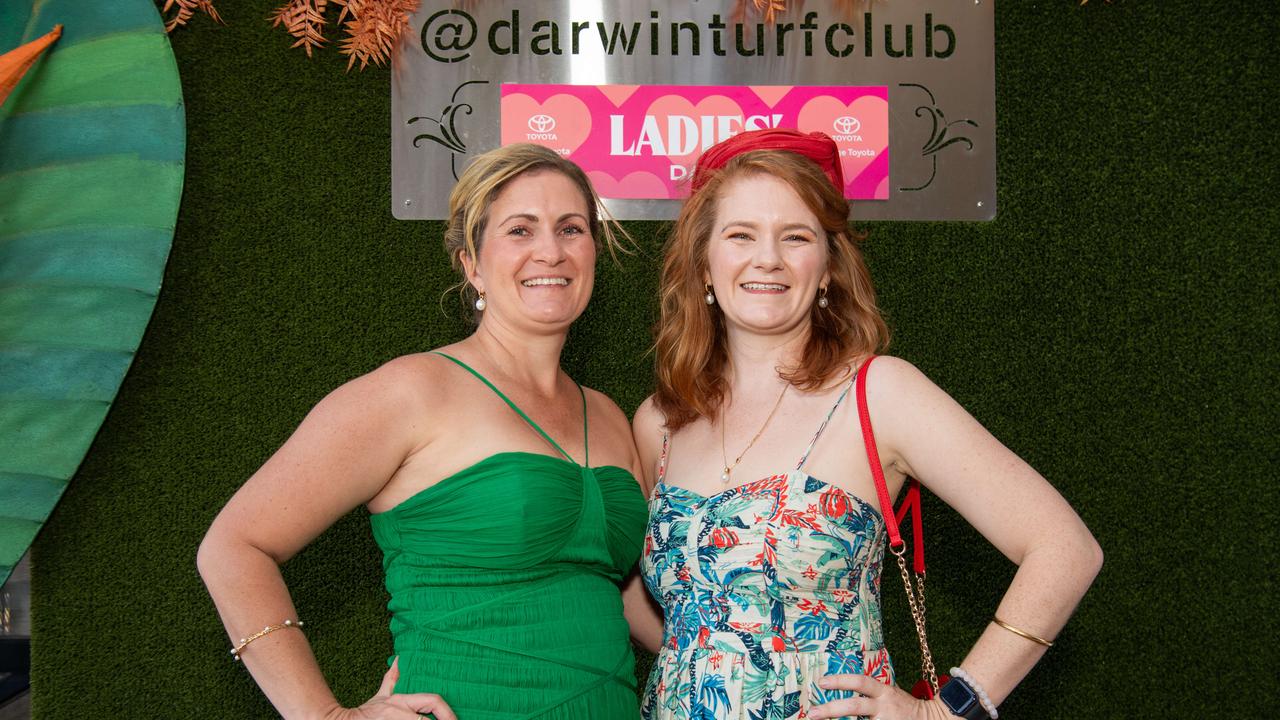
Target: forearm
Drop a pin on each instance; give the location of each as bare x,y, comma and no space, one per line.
1044,593
642,614
250,594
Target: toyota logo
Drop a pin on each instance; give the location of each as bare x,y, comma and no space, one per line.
847,125
542,123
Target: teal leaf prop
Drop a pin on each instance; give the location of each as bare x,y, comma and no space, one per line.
92,148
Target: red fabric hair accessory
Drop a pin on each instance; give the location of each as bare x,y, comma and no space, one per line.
816,146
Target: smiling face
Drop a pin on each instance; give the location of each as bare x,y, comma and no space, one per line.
766,257
536,262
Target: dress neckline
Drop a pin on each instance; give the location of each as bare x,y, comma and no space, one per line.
663,486
666,448
506,454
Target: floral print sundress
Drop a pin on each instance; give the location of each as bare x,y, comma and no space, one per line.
765,588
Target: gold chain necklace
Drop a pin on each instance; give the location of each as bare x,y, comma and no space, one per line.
728,467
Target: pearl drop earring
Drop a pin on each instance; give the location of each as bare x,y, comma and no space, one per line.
822,299
481,304
710,297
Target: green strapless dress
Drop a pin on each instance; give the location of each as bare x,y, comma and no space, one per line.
504,585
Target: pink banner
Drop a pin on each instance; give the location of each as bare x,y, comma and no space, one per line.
640,142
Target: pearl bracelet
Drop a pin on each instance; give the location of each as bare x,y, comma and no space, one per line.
244,642
982,694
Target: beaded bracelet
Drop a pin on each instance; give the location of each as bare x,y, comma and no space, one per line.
987,705
244,642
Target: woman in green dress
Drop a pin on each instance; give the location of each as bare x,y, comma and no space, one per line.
503,494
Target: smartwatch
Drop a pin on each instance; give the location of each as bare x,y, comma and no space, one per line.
962,701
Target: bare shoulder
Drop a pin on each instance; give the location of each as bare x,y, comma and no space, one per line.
407,372
912,414
648,420
648,427
892,378
604,409
341,456
406,380
409,388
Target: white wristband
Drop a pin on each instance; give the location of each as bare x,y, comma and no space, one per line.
982,694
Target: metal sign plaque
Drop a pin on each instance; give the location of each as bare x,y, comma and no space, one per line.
935,57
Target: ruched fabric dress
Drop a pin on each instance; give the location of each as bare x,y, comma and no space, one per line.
765,587
504,585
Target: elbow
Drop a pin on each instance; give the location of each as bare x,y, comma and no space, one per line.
1084,554
1093,556
220,552
225,555
1073,551
208,556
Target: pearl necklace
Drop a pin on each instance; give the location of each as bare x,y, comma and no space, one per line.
728,466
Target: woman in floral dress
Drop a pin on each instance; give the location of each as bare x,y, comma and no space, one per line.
765,539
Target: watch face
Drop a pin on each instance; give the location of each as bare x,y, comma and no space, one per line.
958,696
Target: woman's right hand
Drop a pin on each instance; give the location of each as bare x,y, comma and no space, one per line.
389,705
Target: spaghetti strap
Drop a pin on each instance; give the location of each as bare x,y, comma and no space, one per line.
586,435
521,413
662,459
804,458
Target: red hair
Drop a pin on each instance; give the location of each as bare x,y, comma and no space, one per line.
691,345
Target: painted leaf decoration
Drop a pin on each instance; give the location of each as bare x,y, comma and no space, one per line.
15,63
92,146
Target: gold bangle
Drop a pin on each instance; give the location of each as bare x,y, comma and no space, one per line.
1022,633
244,642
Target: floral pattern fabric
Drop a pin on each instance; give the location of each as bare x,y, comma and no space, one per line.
765,588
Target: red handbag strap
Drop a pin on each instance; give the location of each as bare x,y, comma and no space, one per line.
910,503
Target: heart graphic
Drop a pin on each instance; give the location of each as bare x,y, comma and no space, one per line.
635,186
666,107
861,130
617,94
562,123
771,94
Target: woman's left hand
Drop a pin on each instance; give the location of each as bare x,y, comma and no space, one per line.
878,701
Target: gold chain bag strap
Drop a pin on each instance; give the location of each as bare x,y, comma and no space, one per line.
913,582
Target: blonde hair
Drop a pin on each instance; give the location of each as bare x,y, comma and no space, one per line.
691,346
487,176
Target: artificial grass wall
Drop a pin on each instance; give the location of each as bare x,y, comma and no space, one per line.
1115,325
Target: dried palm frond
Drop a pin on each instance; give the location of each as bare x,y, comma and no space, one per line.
349,7
302,19
770,8
374,28
184,10
849,8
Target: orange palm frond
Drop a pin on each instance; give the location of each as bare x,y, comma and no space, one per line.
374,29
185,9
770,8
349,7
303,19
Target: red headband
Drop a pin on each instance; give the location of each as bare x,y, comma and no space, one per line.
816,146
